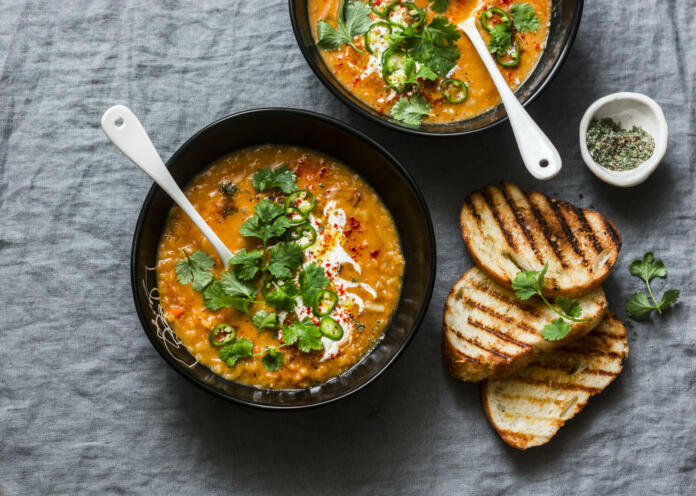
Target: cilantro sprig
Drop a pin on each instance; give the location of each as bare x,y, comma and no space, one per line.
530,283
353,20
195,269
524,17
638,306
410,110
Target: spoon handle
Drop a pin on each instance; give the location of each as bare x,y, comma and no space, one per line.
538,153
125,131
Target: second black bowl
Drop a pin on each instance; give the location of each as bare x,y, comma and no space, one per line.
565,19
309,130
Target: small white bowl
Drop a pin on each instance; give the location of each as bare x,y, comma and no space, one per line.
629,109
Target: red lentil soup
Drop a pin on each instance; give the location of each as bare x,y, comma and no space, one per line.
346,235
366,71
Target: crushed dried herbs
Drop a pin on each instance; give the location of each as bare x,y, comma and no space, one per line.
616,148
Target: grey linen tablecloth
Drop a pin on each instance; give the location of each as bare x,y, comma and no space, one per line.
88,407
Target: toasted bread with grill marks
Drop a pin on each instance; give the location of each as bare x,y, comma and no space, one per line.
529,407
489,333
508,230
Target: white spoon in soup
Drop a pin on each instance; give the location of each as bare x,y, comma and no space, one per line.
538,153
125,131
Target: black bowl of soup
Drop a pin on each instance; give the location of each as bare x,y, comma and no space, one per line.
410,69
333,270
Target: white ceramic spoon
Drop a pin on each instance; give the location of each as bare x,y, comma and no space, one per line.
538,153
125,131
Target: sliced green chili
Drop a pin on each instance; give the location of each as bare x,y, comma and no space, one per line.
384,10
299,205
488,14
393,69
514,56
221,334
330,328
413,16
454,90
324,302
377,35
303,234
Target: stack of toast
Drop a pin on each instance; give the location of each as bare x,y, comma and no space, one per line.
531,386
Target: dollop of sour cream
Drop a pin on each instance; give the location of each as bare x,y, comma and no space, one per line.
329,253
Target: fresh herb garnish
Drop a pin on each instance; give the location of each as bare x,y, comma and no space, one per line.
195,270
304,333
638,305
278,177
501,39
312,280
269,222
353,20
239,348
439,6
282,295
530,283
247,264
264,320
410,109
284,259
272,360
227,188
228,291
524,17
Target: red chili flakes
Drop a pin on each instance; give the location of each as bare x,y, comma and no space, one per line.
353,225
375,253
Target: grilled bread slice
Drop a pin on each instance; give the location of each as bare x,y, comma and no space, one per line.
529,407
489,333
507,230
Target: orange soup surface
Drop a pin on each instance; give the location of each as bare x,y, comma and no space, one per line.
356,247
362,72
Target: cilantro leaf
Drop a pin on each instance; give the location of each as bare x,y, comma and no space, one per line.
501,39
557,329
669,298
442,31
239,348
525,284
254,228
570,307
228,291
638,306
278,177
283,295
263,320
413,76
247,263
439,6
268,210
410,109
284,259
524,17
273,360
195,269
312,279
646,269
304,333
353,20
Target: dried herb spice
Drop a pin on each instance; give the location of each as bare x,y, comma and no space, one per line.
616,148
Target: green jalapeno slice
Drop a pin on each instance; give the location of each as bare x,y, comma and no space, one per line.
330,328
488,15
514,56
298,206
454,90
405,14
377,37
221,334
324,302
394,69
303,234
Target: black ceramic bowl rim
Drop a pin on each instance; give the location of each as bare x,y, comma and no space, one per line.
332,84
134,259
